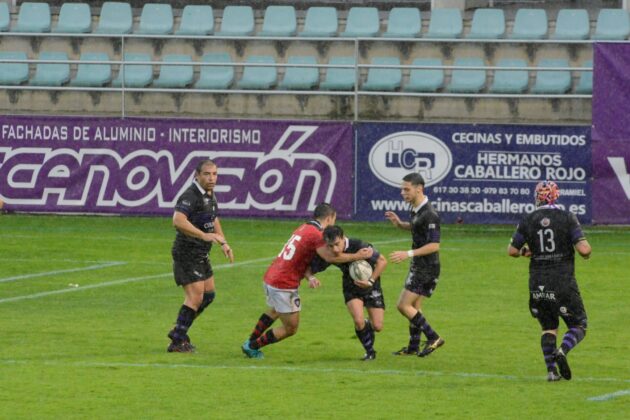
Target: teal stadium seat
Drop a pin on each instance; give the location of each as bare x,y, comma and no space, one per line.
196,20
362,22
385,79
259,77
487,24
425,80
156,19
445,24
92,74
552,82
51,74
510,81
300,78
530,24
403,22
279,21
136,75
320,22
13,73
33,17
74,18
612,24
340,78
175,75
5,17
115,18
585,82
216,77
572,24
237,21
467,81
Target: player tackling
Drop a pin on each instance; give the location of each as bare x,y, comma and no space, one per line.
550,236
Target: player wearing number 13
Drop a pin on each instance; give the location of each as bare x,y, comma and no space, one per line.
552,235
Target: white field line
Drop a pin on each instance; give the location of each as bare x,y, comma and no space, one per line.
69,270
348,371
117,282
607,397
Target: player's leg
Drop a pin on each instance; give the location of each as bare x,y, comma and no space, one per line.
408,305
362,327
264,322
208,294
545,314
180,341
574,316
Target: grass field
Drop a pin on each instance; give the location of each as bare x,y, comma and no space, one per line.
99,350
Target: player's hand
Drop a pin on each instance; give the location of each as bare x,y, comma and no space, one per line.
227,251
313,282
392,217
365,253
526,252
363,284
398,256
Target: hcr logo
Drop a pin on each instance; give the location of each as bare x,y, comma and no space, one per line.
409,159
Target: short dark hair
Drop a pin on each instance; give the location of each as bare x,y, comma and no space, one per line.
323,210
332,232
202,163
414,178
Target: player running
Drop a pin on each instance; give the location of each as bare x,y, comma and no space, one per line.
549,236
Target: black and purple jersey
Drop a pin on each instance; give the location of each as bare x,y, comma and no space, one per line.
201,210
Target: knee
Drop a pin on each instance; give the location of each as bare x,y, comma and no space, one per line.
291,329
377,326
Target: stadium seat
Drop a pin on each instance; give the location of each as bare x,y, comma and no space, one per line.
5,17
386,79
115,18
445,24
301,78
340,78
403,22
33,17
612,24
215,77
92,74
51,74
467,81
196,20
510,81
279,21
320,22
572,24
156,19
362,22
13,73
136,75
585,82
552,82
237,21
175,75
74,18
487,24
425,80
259,77
530,24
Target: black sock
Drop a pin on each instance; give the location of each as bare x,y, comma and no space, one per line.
267,338
548,345
366,336
572,338
420,321
208,298
185,319
414,338
263,323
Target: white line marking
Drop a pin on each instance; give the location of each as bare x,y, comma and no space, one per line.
70,270
610,396
385,372
117,282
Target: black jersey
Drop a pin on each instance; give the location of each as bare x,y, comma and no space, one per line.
551,234
200,210
425,229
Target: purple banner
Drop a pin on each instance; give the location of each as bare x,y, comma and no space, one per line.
473,173
141,165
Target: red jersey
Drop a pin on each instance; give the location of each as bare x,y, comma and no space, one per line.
286,271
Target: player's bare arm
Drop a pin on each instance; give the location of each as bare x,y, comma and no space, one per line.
182,224
400,256
313,282
330,257
393,217
225,247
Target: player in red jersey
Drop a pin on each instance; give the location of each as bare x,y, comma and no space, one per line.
282,279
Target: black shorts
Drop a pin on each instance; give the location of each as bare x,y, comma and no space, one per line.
422,282
191,270
371,298
548,303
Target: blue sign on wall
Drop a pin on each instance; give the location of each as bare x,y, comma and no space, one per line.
473,173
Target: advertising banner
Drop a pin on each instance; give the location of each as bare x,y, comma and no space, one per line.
611,133
141,165
473,173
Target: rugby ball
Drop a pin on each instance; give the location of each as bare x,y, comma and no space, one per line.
360,270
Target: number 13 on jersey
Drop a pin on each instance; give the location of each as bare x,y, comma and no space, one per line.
289,248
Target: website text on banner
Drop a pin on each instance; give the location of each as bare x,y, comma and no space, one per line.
611,134
473,173
141,165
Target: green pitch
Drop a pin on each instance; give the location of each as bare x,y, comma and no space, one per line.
86,302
